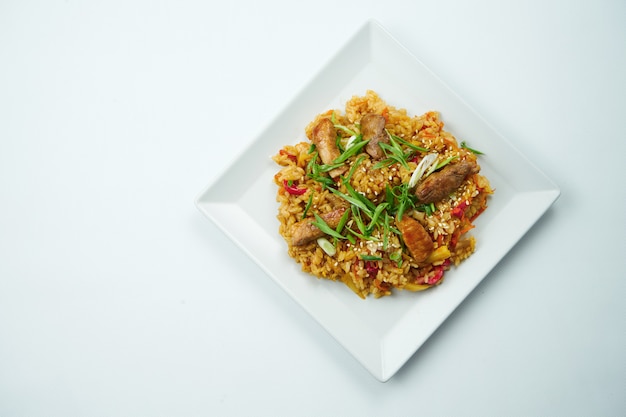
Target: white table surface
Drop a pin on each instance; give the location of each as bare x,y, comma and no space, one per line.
118,298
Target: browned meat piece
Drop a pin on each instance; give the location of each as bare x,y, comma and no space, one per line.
416,238
305,231
442,183
324,136
373,129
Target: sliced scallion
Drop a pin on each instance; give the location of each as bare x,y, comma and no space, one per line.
397,257
326,246
356,215
353,150
377,213
409,144
355,165
445,162
354,201
424,165
477,152
351,141
342,221
371,258
308,205
324,227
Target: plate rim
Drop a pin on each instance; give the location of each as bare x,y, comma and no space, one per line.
384,368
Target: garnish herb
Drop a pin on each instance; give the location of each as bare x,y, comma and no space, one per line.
477,152
356,214
308,205
409,144
429,209
353,150
371,258
326,246
444,163
315,173
394,154
342,221
397,257
405,199
333,119
351,140
324,227
423,166
354,167
377,213
338,144
352,200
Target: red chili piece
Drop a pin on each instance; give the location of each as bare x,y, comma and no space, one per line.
291,189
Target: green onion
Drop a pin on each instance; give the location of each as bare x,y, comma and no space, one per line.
429,209
409,144
397,257
396,154
313,172
308,205
371,258
354,149
328,167
477,152
354,167
326,246
345,129
356,215
377,213
362,236
354,201
386,231
352,140
324,227
426,162
405,200
370,206
338,143
342,221
384,163
446,162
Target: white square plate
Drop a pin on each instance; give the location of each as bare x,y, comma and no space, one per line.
382,334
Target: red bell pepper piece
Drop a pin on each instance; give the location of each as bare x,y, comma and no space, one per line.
439,270
459,210
289,155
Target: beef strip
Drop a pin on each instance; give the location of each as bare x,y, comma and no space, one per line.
416,238
442,183
373,129
324,137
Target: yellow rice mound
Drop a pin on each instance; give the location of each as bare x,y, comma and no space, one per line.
380,262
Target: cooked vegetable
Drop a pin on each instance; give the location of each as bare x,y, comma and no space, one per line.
422,167
293,190
326,246
464,146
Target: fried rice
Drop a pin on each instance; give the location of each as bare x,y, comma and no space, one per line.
366,250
